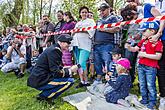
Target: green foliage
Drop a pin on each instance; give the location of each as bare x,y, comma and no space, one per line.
74,5
118,4
10,20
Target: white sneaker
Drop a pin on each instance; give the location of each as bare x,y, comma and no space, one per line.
133,100
162,103
123,103
162,99
96,83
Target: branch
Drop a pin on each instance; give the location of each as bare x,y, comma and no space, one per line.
9,5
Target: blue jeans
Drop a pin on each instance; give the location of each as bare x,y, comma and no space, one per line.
56,87
132,56
102,56
147,80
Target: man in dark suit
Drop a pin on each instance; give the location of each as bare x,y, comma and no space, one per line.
48,75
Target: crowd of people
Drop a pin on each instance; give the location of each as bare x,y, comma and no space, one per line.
110,55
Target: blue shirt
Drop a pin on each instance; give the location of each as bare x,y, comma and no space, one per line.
105,37
148,14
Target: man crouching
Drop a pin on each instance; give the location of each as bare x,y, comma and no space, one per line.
48,75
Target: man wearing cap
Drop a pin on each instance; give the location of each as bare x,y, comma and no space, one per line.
104,40
48,75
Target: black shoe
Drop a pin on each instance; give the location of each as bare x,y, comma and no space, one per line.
80,85
20,75
87,84
48,100
16,72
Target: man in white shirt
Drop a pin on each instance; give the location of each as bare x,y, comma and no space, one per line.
16,53
160,5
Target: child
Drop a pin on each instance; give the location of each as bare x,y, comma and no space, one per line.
112,73
123,82
67,58
149,54
34,58
4,60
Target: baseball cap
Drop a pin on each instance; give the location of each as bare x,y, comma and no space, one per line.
116,51
124,62
103,6
149,25
65,38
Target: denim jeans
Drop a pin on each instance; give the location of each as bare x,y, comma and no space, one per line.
132,56
147,80
102,56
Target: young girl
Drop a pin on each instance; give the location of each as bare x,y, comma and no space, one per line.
123,82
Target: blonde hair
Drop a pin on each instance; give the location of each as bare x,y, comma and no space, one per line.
122,69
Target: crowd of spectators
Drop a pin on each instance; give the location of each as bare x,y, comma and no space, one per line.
97,51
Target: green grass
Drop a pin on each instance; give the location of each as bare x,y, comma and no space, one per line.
16,95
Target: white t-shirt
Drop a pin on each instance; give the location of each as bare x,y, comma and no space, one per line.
160,6
81,39
14,55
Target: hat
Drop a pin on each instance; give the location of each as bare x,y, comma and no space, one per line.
65,38
149,25
124,62
116,51
104,6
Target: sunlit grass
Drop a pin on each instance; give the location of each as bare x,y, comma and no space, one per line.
16,95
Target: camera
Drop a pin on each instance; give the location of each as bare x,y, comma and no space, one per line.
78,65
18,44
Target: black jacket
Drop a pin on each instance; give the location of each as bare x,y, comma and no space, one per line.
48,67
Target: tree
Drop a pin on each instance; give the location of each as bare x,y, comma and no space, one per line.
12,19
50,7
74,5
41,8
110,2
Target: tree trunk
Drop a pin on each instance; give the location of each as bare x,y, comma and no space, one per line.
12,19
50,7
41,9
23,13
34,13
27,11
110,2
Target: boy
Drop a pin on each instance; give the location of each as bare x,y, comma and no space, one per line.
34,59
112,73
149,54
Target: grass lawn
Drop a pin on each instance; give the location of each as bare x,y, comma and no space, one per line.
15,95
